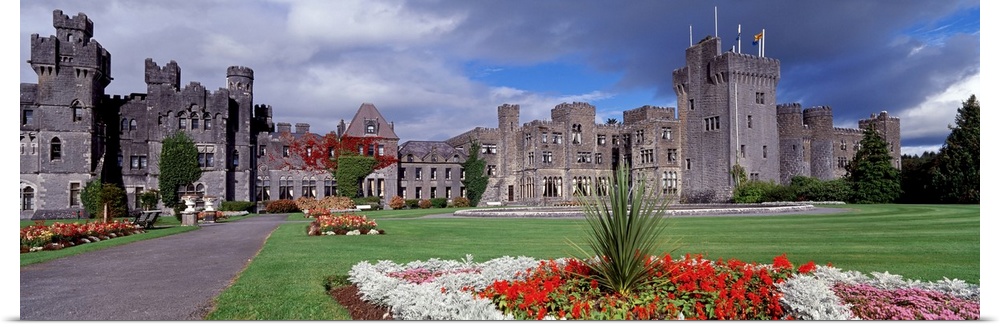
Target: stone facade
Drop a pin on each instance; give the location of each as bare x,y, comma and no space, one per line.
72,132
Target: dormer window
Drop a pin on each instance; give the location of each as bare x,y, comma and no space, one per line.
370,128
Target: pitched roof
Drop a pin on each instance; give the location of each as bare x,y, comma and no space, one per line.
369,115
424,150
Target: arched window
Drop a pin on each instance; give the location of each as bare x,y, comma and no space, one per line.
194,121
409,158
199,189
370,128
28,198
132,125
124,126
208,121
236,158
55,149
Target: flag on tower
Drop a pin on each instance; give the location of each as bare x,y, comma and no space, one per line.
757,37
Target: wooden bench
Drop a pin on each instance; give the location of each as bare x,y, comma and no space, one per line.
363,207
493,203
146,219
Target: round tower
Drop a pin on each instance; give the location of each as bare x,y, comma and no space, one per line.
240,80
791,144
819,121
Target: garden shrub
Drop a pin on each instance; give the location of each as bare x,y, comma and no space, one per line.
149,199
439,202
236,206
351,169
397,203
780,193
281,206
461,202
424,203
752,191
95,194
412,203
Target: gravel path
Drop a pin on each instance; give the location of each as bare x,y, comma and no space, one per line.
168,278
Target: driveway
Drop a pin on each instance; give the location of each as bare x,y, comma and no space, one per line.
168,278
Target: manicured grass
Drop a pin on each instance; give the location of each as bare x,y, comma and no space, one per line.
927,242
379,214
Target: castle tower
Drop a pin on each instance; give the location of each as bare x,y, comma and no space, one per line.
794,142
727,103
61,115
887,127
509,125
819,120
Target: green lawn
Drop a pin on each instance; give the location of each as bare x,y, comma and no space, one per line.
285,281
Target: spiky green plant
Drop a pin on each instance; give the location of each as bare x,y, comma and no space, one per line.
625,229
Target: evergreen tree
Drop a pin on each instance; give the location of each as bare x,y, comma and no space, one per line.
957,173
178,166
915,178
871,175
475,175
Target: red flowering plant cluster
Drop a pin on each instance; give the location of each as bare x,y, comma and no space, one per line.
218,215
344,224
312,152
690,288
59,235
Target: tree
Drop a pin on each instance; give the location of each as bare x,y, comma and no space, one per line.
957,173
178,166
96,195
916,178
475,175
871,175
612,121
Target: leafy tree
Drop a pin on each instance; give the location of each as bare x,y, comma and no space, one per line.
96,194
916,178
475,175
871,175
957,173
612,121
178,166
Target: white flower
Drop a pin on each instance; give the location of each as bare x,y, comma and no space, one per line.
354,232
372,232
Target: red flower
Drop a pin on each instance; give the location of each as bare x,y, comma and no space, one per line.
807,268
781,262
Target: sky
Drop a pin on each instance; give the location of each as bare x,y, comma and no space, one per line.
439,68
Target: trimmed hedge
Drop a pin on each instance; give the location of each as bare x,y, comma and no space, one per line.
281,206
236,206
439,202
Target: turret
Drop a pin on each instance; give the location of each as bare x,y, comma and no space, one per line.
508,116
69,29
169,74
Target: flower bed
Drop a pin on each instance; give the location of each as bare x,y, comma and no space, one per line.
218,215
344,224
688,288
39,237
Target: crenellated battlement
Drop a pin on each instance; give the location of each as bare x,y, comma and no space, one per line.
647,112
789,108
817,112
884,115
239,71
169,74
80,22
847,130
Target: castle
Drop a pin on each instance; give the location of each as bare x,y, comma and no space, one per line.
72,132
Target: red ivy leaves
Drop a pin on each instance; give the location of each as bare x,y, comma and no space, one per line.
311,152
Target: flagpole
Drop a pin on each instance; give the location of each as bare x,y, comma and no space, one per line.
690,36
716,21
739,43
763,38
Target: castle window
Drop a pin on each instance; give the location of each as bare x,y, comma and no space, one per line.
74,194
527,139
743,151
531,158
557,138
434,192
712,123
434,173
447,173
371,150
409,158
208,122
749,121
671,155
402,173
285,151
546,156
667,133
27,117
418,192
640,136
284,189
545,137
308,188
55,149
236,158
137,162
370,128
132,125
77,114
491,170
583,157
124,125
262,150
328,187
418,173
263,190
27,198
765,152
194,121
120,159
182,123
577,130
206,156
691,104
646,156
760,98
599,158
461,172
601,139
489,149
447,192
381,150
843,145
755,176
687,163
